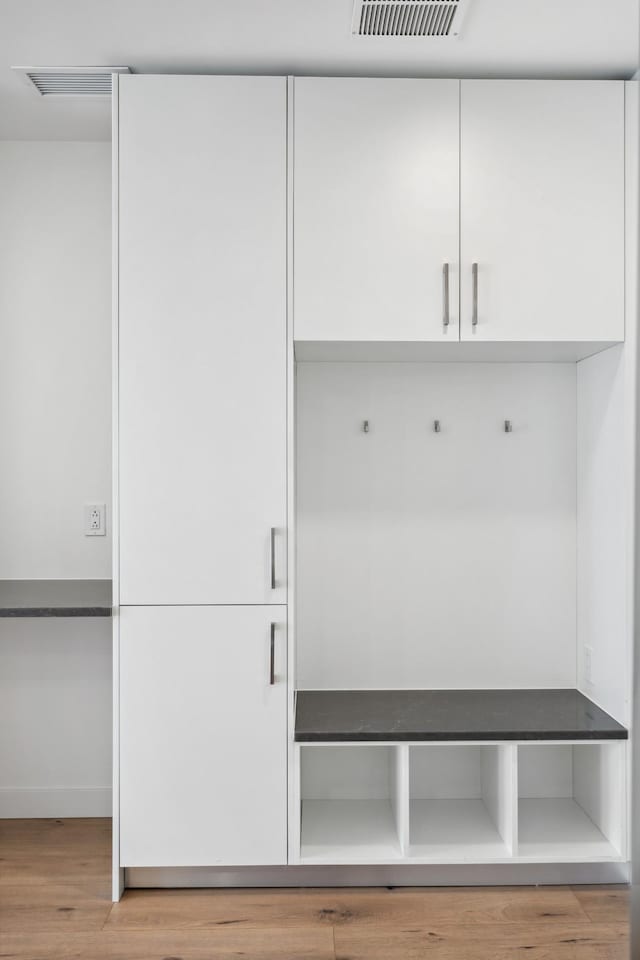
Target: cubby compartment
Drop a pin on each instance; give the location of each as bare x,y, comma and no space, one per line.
351,803
461,802
571,801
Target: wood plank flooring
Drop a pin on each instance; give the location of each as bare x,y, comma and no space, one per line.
55,905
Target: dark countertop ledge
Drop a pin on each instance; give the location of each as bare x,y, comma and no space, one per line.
324,716
55,598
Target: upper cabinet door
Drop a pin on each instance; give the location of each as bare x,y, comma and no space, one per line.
376,209
542,210
202,339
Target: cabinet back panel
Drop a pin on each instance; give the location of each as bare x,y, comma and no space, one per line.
545,771
429,559
446,773
346,772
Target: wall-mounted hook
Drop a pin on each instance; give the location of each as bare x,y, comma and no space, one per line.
508,426
365,426
436,426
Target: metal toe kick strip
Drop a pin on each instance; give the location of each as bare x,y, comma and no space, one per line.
399,875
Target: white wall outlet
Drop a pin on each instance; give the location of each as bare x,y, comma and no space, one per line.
95,517
588,664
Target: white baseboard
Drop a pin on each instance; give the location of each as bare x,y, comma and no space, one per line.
40,802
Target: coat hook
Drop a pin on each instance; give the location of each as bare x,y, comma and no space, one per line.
436,426
508,426
365,426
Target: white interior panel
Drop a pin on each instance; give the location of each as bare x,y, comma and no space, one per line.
346,772
603,528
545,771
599,785
499,790
431,559
446,773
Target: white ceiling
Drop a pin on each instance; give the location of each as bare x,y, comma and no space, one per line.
511,38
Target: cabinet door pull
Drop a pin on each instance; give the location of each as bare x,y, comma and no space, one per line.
273,558
445,295
474,276
272,656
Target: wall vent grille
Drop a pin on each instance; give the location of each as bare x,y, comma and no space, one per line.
93,82
407,18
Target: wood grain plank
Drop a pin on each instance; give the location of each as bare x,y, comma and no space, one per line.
54,850
151,909
54,907
604,903
586,941
226,944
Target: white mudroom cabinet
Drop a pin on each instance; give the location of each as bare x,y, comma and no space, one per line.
374,432
202,333
442,210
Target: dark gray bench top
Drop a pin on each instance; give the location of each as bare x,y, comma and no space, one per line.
422,715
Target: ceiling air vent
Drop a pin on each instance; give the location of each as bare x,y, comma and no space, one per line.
94,82
407,18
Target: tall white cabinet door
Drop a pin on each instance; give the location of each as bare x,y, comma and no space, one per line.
203,736
542,210
376,209
202,339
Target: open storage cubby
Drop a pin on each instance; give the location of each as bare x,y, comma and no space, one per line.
571,801
460,802
351,803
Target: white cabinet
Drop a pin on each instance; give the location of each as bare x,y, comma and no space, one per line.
542,210
202,339
375,209
203,736
393,179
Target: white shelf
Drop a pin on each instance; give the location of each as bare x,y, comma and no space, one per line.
559,829
348,831
462,829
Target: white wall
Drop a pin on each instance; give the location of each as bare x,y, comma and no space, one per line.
55,362
55,718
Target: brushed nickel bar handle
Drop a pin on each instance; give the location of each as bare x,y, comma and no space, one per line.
445,295
272,656
273,558
474,277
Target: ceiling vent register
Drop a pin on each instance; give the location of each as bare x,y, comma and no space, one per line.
93,82
407,18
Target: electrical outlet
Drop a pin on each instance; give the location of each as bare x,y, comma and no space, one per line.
95,515
588,664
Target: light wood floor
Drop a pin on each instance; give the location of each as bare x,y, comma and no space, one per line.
54,905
